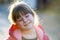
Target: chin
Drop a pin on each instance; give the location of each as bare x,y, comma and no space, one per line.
28,28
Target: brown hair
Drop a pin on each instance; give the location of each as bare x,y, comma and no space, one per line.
18,8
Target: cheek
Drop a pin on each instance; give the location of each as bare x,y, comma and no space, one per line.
31,18
20,23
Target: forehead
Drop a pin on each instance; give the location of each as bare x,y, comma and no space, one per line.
22,14
20,10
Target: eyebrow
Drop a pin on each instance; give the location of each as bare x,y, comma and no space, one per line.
23,13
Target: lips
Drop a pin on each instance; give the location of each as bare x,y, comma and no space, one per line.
27,23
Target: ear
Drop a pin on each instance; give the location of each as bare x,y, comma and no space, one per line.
17,34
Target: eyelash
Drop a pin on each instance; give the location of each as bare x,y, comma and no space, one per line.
20,20
27,16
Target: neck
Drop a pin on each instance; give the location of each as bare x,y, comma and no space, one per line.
30,34
30,31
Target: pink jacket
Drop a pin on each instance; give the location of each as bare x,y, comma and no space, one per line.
18,35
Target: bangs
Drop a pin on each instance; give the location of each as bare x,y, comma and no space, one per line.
19,10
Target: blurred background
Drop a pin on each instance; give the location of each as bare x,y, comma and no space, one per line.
48,12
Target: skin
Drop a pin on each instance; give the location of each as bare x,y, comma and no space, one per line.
25,22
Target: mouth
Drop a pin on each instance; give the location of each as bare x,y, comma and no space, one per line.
27,24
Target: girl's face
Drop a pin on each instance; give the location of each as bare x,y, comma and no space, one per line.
26,21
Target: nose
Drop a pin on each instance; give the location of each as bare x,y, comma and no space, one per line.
24,19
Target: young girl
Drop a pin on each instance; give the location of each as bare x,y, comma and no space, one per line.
24,23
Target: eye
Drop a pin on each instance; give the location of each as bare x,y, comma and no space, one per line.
27,16
19,20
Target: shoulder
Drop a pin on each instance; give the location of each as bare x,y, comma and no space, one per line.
39,31
15,32
39,28
45,36
12,29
